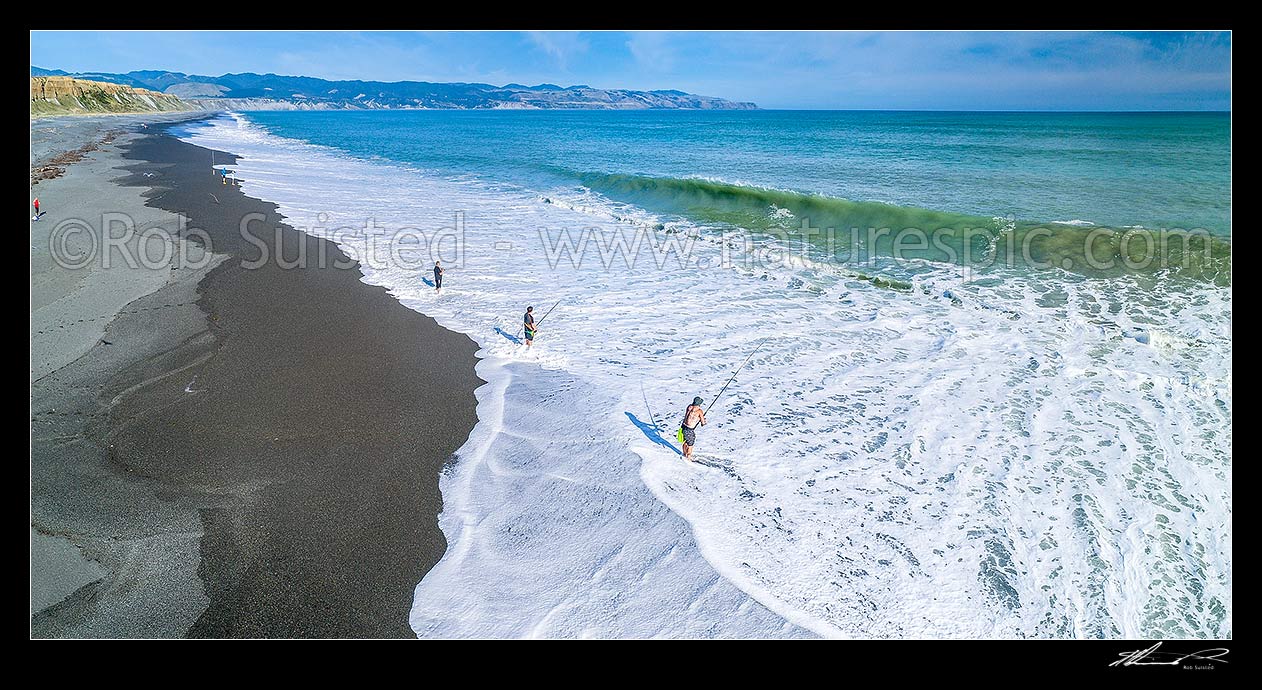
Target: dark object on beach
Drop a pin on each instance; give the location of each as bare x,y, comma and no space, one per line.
57,165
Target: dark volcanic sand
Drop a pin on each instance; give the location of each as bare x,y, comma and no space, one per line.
320,415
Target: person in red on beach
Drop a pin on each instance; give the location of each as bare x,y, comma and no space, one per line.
36,208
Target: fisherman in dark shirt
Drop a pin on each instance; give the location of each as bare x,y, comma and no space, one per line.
438,276
528,324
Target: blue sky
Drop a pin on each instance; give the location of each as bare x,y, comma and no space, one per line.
839,70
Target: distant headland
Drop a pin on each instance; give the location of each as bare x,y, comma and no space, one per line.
249,91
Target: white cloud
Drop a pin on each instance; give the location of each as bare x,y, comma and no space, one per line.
655,50
561,46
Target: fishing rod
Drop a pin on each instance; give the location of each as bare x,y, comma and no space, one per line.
738,370
648,407
549,312
523,328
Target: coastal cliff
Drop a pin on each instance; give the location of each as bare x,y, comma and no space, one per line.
69,96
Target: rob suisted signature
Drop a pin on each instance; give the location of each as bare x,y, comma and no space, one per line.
1152,657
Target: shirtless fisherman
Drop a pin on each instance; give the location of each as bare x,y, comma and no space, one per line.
693,416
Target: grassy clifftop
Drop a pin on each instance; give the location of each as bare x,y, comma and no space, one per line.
69,96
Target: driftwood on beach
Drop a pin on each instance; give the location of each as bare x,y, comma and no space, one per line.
56,167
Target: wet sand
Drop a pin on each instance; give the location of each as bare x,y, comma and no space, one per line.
232,452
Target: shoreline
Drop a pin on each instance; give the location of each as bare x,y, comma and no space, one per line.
808,494
261,447
550,529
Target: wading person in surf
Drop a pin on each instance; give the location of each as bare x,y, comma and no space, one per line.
528,325
438,276
694,416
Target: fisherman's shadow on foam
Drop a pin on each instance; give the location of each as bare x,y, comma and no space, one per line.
653,433
511,338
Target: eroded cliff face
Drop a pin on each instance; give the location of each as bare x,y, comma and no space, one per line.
66,95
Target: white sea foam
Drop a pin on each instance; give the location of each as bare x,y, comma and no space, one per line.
985,459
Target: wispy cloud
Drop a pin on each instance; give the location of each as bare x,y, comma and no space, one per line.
654,50
561,46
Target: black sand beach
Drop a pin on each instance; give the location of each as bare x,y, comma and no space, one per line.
291,423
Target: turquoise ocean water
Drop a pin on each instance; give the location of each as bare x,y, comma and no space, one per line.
1156,170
